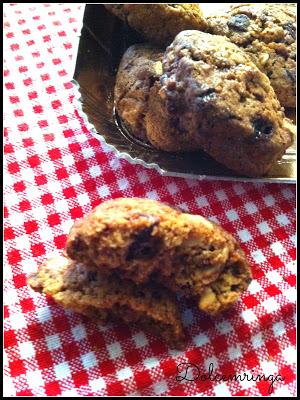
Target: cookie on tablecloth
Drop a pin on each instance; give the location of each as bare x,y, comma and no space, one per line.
144,240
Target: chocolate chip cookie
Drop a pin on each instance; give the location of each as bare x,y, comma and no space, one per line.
146,241
267,32
207,94
85,290
160,23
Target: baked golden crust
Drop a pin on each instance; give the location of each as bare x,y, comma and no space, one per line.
144,240
85,290
160,23
267,32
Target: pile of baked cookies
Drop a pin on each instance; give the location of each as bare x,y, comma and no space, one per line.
130,258
219,84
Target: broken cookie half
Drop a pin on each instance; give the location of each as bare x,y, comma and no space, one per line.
146,241
85,290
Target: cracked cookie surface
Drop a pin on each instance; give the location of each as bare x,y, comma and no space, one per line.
160,23
267,32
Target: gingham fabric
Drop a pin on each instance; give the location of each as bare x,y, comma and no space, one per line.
55,172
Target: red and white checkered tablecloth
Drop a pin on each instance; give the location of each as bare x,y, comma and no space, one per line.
56,172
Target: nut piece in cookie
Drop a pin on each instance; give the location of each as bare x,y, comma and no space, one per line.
160,23
267,32
85,290
144,240
226,289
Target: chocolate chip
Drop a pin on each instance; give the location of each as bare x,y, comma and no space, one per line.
92,276
206,92
235,288
152,80
172,108
186,286
290,28
174,123
196,57
79,245
157,295
239,22
291,75
263,129
144,246
236,270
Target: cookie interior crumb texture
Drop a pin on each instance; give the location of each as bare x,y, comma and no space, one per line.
144,240
85,290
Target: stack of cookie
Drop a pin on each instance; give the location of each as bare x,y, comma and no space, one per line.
129,258
219,86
